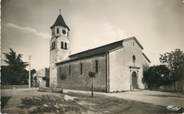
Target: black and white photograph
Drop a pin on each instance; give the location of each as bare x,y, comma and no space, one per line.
92,57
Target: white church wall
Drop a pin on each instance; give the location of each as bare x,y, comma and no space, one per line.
117,72
133,48
119,62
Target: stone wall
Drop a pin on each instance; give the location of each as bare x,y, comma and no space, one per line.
58,54
53,69
76,80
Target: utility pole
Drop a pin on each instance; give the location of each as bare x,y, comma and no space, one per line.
29,71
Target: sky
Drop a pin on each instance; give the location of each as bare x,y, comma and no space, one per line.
157,24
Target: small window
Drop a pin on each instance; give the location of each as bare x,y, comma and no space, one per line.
66,46
62,45
133,58
53,45
81,69
96,66
57,30
69,69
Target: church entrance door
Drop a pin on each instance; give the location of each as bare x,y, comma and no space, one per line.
134,80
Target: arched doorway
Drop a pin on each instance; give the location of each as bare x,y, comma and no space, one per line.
134,80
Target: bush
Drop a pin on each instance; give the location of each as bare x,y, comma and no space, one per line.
155,76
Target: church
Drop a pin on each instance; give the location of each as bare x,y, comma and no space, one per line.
118,66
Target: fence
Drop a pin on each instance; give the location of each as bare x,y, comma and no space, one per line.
174,87
13,86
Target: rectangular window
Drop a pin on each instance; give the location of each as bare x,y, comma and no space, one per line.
69,70
61,45
66,46
53,45
57,30
81,69
96,66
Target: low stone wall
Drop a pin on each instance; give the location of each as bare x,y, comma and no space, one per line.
13,86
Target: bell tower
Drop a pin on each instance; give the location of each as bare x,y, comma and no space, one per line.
59,46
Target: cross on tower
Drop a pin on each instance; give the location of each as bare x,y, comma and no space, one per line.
59,11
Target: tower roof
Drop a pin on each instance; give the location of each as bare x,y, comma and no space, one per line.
60,22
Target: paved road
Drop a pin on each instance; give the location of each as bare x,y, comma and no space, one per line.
146,96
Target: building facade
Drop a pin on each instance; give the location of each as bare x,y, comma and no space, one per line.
118,66
42,76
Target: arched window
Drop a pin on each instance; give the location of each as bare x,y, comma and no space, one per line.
96,66
62,45
66,46
81,68
133,58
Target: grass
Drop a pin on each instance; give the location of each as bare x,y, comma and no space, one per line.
84,103
4,100
50,103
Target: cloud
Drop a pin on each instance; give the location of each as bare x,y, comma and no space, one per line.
114,32
182,1
29,29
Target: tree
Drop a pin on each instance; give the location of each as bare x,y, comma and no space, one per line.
14,72
155,76
175,61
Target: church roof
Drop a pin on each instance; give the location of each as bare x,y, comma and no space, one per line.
60,22
92,52
146,57
98,51
103,49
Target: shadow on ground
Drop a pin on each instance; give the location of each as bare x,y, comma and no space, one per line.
84,104
51,104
